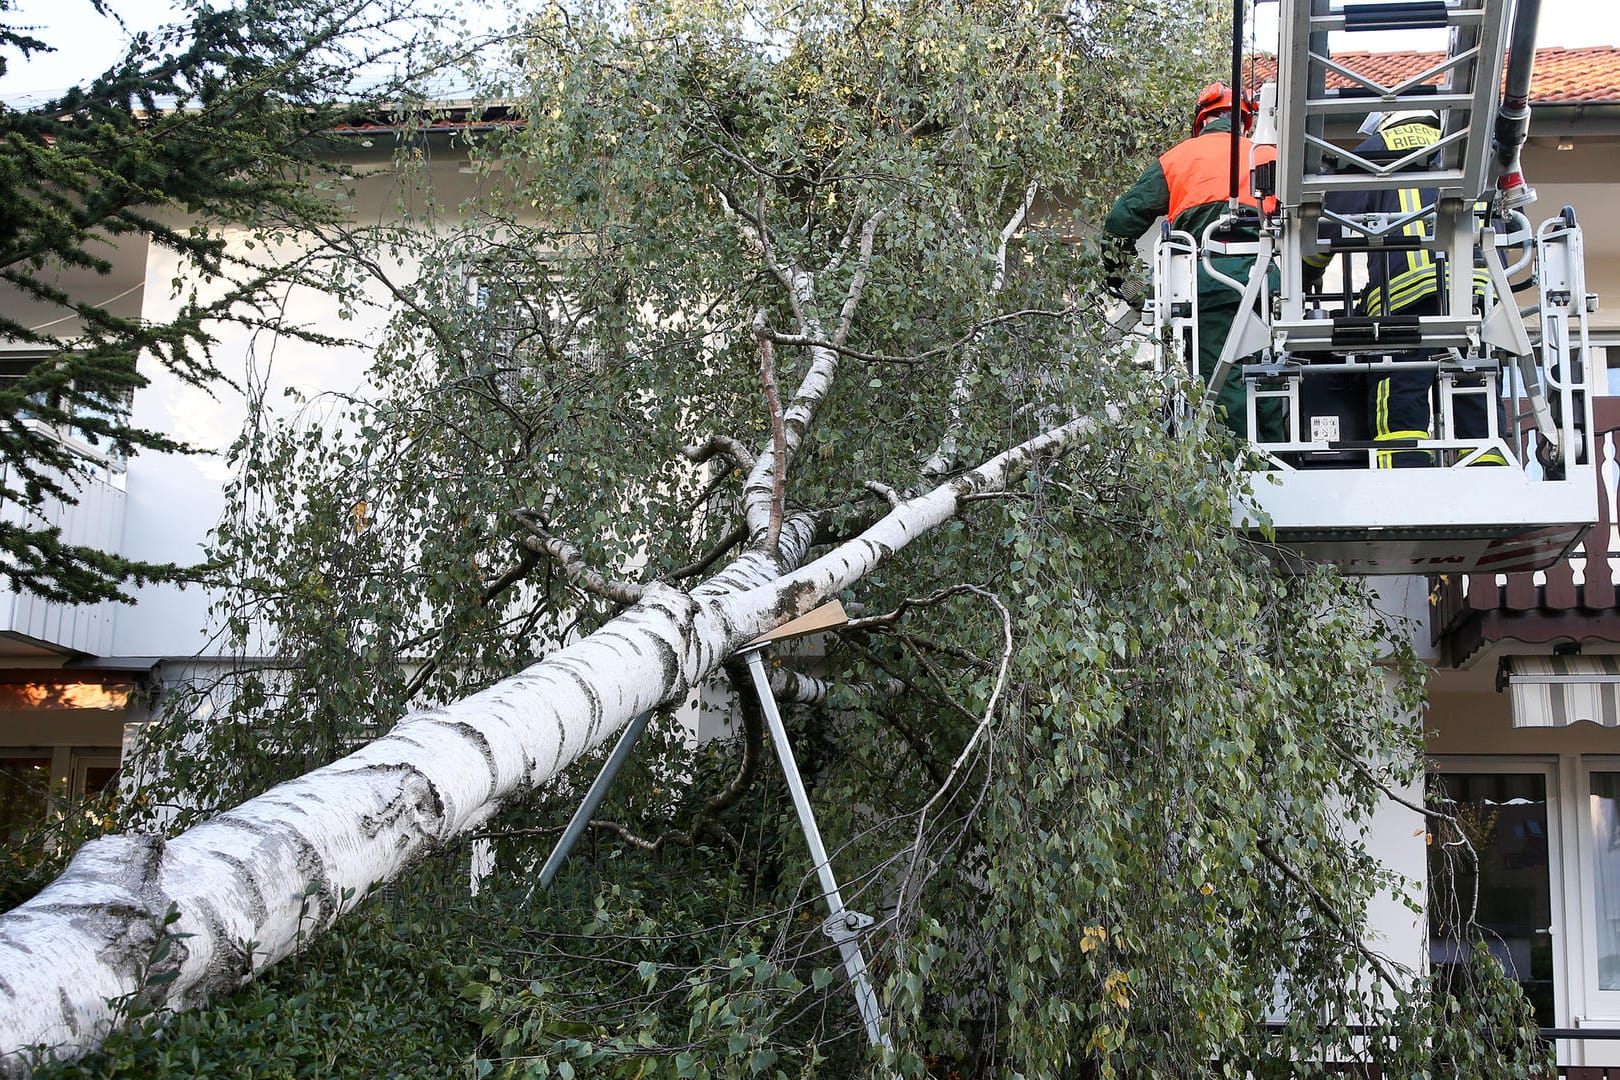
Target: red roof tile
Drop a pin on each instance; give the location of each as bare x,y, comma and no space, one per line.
1562,76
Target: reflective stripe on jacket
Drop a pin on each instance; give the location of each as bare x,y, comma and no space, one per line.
1397,280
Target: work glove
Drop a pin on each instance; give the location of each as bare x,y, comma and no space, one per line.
1118,260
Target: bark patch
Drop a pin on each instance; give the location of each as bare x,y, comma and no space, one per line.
416,809
471,733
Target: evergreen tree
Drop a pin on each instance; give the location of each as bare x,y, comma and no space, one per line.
223,122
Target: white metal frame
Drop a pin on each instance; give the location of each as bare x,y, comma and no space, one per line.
1456,516
1590,1006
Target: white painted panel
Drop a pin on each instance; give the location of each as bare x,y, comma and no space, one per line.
96,520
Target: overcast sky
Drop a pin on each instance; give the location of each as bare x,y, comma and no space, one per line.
88,43
1569,23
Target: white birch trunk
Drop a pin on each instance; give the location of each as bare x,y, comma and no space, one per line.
253,884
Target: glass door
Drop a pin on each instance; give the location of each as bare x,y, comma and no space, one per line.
1600,888
1491,869
25,793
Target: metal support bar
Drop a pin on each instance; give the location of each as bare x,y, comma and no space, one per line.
593,797
842,925
1248,333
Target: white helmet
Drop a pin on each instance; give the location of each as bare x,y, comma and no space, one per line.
1381,121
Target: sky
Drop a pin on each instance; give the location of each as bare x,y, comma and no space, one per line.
87,43
1567,23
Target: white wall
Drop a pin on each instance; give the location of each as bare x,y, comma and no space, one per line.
175,500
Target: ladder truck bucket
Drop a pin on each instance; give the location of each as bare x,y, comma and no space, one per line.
1505,478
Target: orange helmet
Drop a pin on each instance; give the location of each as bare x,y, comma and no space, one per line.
1217,97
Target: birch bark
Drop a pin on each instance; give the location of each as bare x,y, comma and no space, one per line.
250,886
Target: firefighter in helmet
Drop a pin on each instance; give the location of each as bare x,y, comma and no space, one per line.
1191,185
1405,282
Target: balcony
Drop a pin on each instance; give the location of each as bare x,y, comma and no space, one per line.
1570,602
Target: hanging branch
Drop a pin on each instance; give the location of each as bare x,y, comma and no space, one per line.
527,561
707,819
954,344
978,731
871,622
913,688
710,557
857,282
1380,965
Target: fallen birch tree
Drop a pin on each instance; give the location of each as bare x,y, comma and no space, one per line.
744,285
239,892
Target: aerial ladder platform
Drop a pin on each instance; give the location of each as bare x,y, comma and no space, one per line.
1510,324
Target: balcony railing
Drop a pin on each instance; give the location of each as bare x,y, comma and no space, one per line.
1572,600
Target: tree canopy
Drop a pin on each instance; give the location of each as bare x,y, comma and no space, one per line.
745,280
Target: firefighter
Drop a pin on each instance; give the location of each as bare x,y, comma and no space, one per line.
1191,185
1405,283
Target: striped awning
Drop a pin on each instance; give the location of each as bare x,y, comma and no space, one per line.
1557,691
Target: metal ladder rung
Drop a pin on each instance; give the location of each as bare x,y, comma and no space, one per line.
1413,15
1326,335
1357,104
1449,182
1407,15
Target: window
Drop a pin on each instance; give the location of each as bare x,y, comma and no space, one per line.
1603,805
531,340
25,793
33,782
1597,965
1505,818
99,456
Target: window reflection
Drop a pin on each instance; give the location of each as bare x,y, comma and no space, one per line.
1505,899
1605,810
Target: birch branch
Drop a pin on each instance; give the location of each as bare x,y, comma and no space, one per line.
883,491
720,446
757,237
857,282
773,403
1008,231
818,379
573,563
802,689
943,459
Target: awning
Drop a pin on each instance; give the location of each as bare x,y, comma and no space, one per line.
1557,691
